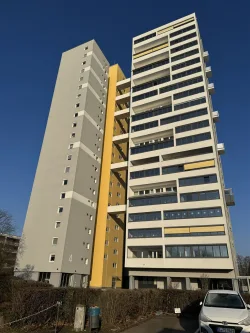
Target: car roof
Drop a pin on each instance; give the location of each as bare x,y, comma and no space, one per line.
222,291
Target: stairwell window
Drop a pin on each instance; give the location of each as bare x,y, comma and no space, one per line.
57,224
67,169
116,239
71,146
69,157
54,240
60,209
63,195
77,105
52,257
114,265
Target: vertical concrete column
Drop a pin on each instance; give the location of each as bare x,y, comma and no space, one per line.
235,283
248,285
55,279
168,282
79,318
131,282
188,284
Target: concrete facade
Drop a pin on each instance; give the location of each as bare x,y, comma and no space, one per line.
68,172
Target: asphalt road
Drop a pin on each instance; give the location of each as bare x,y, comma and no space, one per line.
166,324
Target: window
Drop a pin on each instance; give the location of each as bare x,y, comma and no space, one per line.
115,251
106,242
71,146
193,138
79,95
199,196
190,92
142,127
69,157
105,256
63,195
65,182
197,251
184,55
207,179
74,124
89,231
87,246
184,46
145,95
181,84
110,194
91,217
44,277
182,39
54,240
67,169
76,115
152,113
52,257
166,143
116,239
118,194
60,209
73,135
84,62
172,169
86,261
94,192
77,105
189,103
81,78
150,66
201,231
118,184
145,233
192,126
80,87
139,40
117,227
186,73
179,32
86,48
145,173
184,116
150,84
156,200
114,265
150,216
107,229
57,224
186,64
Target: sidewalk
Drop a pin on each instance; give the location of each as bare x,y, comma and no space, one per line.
166,324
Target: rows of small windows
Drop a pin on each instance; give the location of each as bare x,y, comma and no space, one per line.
145,173
190,92
193,126
184,116
197,251
156,190
157,200
139,40
181,84
198,180
193,138
200,196
148,216
150,66
145,233
192,213
186,64
189,104
184,46
184,55
186,73
179,32
142,127
152,113
146,95
152,83
182,39
169,142
196,234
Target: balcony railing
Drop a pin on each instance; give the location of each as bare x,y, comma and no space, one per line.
229,197
151,147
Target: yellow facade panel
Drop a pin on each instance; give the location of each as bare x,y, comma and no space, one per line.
199,165
182,230
209,228
164,30
183,22
154,49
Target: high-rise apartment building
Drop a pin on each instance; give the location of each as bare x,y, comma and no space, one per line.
129,181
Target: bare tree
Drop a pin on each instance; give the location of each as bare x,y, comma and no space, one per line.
244,265
6,223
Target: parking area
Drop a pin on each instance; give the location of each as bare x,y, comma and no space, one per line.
166,324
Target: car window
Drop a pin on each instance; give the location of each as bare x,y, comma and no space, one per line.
221,300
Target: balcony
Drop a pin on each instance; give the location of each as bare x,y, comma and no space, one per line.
120,138
209,71
229,197
121,85
116,167
117,209
221,148
216,116
123,99
122,114
206,56
211,89
146,252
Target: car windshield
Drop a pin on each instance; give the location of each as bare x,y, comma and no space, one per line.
221,300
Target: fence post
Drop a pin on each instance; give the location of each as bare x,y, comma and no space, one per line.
79,318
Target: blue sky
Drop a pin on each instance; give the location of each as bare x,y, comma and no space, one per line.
33,35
